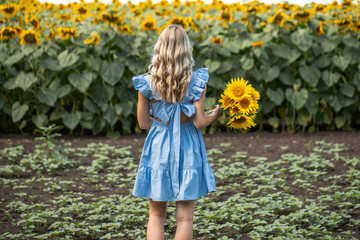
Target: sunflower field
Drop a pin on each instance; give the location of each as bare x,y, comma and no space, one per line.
72,64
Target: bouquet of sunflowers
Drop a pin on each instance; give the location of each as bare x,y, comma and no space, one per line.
239,103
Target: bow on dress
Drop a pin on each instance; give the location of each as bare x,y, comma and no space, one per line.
174,128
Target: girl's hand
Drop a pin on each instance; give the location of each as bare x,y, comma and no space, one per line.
217,112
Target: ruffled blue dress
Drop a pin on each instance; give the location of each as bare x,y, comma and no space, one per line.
174,165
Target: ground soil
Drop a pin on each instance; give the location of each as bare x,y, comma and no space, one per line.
250,142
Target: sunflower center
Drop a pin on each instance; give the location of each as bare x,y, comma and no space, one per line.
229,101
238,92
240,120
34,23
9,10
82,10
9,33
245,103
149,24
30,38
279,18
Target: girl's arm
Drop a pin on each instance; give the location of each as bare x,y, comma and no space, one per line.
143,112
200,118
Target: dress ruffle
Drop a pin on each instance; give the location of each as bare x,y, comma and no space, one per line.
151,183
201,78
141,84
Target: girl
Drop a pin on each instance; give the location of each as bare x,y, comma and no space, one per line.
173,164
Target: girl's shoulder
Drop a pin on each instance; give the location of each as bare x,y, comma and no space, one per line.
196,86
142,83
199,80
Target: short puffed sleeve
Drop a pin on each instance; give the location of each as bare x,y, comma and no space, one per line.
201,77
142,85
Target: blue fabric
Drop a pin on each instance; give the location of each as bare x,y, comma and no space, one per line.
174,165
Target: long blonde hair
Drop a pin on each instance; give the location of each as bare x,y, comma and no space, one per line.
171,64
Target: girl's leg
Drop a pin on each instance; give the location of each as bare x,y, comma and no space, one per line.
157,215
184,219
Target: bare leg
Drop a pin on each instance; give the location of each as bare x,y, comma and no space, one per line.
184,219
157,215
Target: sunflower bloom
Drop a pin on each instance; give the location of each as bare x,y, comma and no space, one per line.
236,89
125,29
344,23
66,32
241,122
82,10
52,35
9,10
226,15
356,26
257,44
278,18
226,101
110,18
35,23
217,40
245,104
253,93
95,39
302,15
320,29
30,37
8,33
178,20
234,110
148,24
64,17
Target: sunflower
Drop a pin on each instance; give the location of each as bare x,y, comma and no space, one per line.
176,4
245,104
8,32
344,23
236,89
52,35
82,10
178,20
18,29
234,110
148,24
30,37
9,10
285,6
302,15
111,18
226,15
257,44
253,93
226,101
199,16
95,39
66,32
2,20
35,23
241,122
125,29
320,29
77,19
217,40
278,18
356,26
64,17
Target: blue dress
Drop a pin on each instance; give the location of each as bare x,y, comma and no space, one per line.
174,165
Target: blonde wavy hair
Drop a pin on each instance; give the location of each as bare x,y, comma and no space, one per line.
171,64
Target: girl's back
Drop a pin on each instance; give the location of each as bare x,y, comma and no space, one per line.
174,164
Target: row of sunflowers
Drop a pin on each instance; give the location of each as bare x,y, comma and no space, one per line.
28,18
72,63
